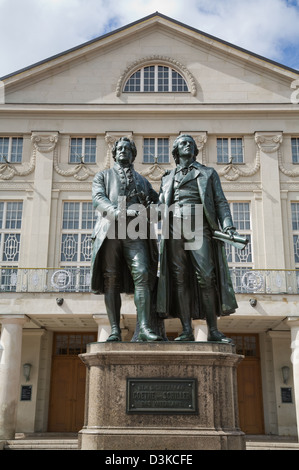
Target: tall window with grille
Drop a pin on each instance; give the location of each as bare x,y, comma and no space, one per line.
156,150
295,227
230,150
10,241
83,150
240,261
11,149
295,149
75,254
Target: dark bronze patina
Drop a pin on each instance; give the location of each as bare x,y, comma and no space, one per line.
123,264
196,283
193,283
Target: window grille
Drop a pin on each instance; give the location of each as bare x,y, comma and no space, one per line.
10,241
11,149
75,253
295,227
295,149
240,261
230,150
83,150
156,150
10,231
72,344
156,78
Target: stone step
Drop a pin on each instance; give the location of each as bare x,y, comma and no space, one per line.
41,444
64,443
272,446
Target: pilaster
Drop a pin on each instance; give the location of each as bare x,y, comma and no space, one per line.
44,144
104,327
268,144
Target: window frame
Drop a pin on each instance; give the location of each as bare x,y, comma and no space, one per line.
229,154
82,156
19,157
78,267
295,155
6,232
295,232
239,267
9,268
155,157
155,77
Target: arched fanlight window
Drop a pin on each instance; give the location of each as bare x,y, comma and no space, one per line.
156,78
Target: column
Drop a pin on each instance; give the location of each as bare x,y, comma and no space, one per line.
286,421
104,327
294,324
200,330
268,144
10,365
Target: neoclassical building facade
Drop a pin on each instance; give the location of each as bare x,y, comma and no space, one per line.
150,81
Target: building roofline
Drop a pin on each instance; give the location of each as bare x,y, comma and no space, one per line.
142,20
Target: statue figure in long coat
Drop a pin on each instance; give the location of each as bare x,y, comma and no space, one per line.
121,263
195,283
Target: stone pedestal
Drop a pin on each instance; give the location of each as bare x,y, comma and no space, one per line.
137,397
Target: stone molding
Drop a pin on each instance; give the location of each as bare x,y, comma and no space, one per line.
238,171
154,172
8,170
268,142
81,167
44,142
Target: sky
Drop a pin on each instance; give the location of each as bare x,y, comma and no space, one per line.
34,30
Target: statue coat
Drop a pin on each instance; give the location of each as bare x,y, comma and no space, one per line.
217,212
108,186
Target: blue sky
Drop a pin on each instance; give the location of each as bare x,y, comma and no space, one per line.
33,30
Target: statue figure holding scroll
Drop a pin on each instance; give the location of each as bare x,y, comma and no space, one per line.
121,263
195,283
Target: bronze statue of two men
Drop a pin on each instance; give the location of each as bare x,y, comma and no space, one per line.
194,280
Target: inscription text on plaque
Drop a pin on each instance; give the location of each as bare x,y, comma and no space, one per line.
162,396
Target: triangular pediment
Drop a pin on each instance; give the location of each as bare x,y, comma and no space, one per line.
95,72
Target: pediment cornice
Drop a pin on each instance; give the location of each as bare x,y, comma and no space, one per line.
198,38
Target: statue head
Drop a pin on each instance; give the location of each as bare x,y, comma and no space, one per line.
175,152
126,142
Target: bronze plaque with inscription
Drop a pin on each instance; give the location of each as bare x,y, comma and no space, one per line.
170,396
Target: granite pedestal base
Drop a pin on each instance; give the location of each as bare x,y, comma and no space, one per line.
161,396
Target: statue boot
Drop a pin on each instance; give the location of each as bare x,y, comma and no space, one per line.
113,304
143,306
186,321
210,309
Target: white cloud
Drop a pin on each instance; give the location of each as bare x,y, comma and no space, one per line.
33,30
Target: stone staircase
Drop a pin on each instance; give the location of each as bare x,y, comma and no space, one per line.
48,441
66,441
268,442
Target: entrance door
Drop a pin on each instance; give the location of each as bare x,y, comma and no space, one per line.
249,384
67,395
